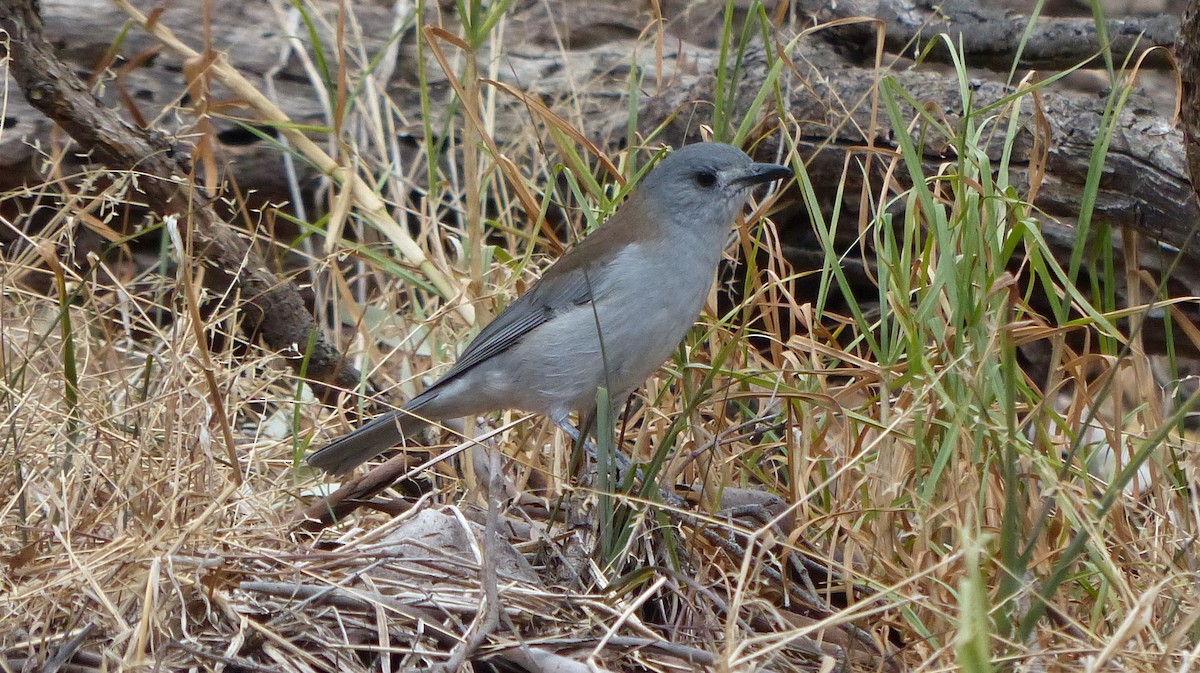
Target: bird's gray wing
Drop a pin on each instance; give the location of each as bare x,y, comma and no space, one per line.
550,295
566,284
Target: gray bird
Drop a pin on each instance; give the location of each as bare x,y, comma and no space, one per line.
608,313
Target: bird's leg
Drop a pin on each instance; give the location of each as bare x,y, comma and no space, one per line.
623,464
581,438
578,439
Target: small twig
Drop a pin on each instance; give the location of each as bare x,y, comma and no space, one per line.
489,618
231,662
67,650
356,600
354,493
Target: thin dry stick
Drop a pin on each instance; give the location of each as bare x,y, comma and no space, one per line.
358,599
206,363
487,623
353,493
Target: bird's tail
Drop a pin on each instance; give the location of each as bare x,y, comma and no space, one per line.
380,434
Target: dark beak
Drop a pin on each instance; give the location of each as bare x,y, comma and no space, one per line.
757,174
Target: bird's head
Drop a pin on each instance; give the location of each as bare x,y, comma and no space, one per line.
706,183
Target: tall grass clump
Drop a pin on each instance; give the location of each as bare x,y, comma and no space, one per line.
923,441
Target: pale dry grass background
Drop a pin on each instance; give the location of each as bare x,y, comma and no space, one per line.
122,514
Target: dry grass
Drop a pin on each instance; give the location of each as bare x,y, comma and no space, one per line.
843,509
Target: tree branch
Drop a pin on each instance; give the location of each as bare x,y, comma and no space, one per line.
271,307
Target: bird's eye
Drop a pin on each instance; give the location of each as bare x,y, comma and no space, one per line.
706,179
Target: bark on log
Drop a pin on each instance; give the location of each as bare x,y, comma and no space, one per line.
1188,53
993,37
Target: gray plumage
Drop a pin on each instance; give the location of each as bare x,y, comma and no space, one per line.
608,313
